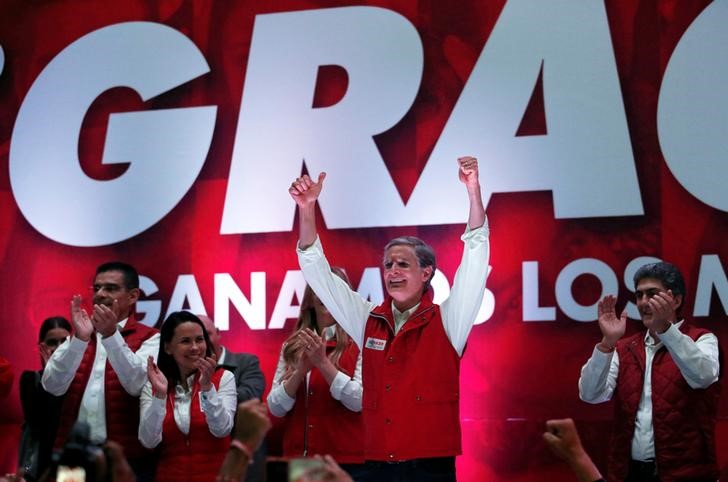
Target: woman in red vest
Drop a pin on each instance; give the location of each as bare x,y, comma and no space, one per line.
188,406
317,387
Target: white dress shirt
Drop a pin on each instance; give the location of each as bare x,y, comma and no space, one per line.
348,390
458,311
697,361
130,368
217,405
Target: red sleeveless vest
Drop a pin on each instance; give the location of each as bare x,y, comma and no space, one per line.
122,409
411,386
319,424
683,418
197,456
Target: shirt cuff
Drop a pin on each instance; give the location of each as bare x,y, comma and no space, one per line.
600,358
314,250
338,384
671,336
113,342
282,399
77,345
208,398
477,234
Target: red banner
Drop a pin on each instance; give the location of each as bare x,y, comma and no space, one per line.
166,135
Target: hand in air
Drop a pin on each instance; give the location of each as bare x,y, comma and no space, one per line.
305,191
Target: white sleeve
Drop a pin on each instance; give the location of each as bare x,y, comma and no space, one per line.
279,403
152,411
62,365
219,405
347,306
130,367
697,360
348,390
461,307
599,377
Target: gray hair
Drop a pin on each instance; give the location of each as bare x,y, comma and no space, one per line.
424,252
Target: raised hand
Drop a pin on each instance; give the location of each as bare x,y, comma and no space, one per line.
612,328
206,367
563,439
662,306
468,172
305,191
157,379
251,425
83,328
105,319
45,353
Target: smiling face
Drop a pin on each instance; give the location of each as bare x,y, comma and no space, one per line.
404,279
109,286
645,290
187,347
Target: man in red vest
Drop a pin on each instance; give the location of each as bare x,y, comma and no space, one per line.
411,347
103,367
663,380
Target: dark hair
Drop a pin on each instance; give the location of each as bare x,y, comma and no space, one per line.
665,273
424,252
165,362
307,319
51,323
131,277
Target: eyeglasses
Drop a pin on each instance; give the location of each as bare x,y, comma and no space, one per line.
108,287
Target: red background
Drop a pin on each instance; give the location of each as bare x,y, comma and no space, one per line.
515,374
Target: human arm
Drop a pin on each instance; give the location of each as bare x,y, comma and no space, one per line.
697,360
285,384
599,376
562,438
152,411
152,406
611,326
251,425
345,388
461,308
249,378
62,365
130,367
347,307
219,404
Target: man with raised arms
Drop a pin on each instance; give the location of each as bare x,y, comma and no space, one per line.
411,347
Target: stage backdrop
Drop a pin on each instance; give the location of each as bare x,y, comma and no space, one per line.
167,133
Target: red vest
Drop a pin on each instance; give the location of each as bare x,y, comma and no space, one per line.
196,456
411,386
683,418
319,424
122,409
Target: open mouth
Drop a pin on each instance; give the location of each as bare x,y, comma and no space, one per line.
396,283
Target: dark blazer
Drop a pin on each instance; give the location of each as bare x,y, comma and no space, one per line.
250,383
249,378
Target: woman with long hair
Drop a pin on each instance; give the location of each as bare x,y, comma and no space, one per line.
318,388
188,406
40,409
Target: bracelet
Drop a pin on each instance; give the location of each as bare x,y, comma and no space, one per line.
243,448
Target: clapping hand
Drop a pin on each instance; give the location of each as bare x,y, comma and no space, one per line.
157,379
